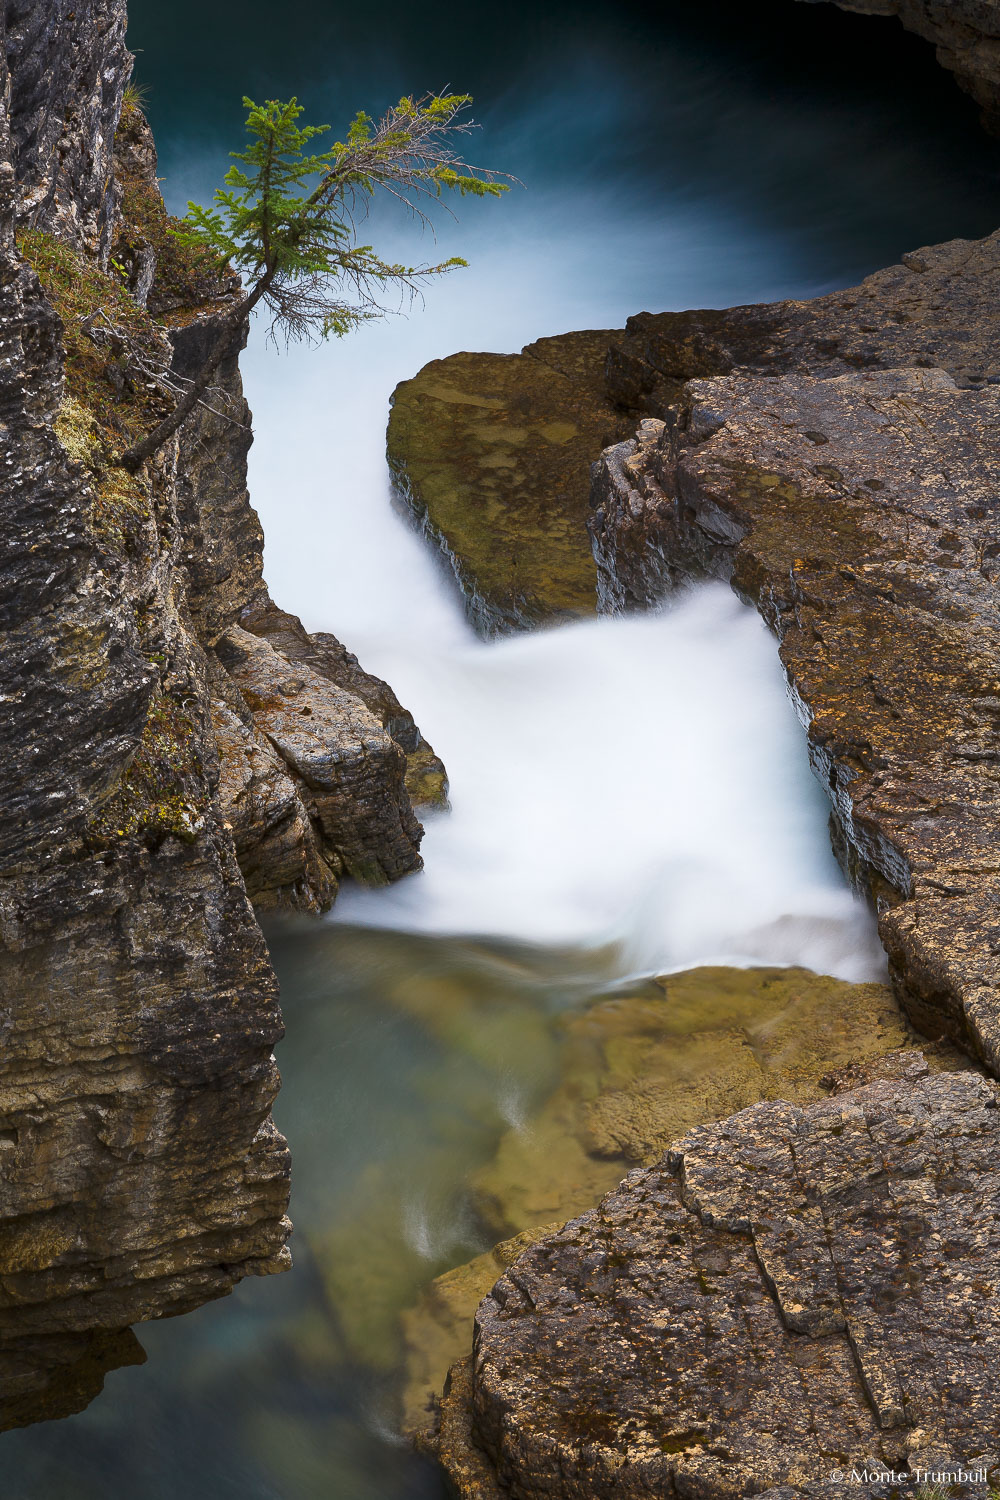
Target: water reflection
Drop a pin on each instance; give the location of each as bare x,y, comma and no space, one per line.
406,1059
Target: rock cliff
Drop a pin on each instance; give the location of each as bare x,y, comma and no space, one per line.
965,35
172,747
854,509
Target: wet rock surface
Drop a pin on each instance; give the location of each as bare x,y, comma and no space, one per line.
789,1294
492,454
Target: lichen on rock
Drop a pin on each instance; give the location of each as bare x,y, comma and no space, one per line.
772,1304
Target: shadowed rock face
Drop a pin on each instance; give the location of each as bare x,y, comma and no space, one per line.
492,454
140,1171
965,35
789,1293
70,64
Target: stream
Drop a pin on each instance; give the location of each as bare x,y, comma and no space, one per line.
630,796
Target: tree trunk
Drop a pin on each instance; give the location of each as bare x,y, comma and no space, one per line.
133,458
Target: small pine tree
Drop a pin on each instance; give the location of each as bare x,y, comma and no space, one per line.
287,219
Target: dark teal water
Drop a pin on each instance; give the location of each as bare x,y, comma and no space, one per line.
836,133
797,148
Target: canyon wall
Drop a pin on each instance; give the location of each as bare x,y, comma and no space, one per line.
797,1293
173,747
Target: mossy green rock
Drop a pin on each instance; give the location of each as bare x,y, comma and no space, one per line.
492,452
641,1070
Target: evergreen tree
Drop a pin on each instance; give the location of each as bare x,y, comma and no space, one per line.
287,222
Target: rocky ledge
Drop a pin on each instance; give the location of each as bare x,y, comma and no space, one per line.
789,1295
173,746
491,453
857,513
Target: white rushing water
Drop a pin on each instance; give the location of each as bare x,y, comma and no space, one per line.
639,781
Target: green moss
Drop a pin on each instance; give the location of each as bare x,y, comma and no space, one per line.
492,452
162,791
186,276
78,288
120,506
426,778
104,410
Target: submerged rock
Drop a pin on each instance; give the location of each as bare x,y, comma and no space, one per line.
636,1073
492,454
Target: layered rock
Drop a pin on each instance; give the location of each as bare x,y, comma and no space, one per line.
492,454
69,64
790,1295
965,35
147,755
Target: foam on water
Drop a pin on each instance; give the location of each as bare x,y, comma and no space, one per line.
634,781
639,782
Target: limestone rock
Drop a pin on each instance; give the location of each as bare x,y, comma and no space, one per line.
71,51
350,772
426,778
492,454
438,1331
775,1302
936,309
857,513
141,1171
276,843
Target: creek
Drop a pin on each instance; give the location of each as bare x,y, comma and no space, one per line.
629,796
